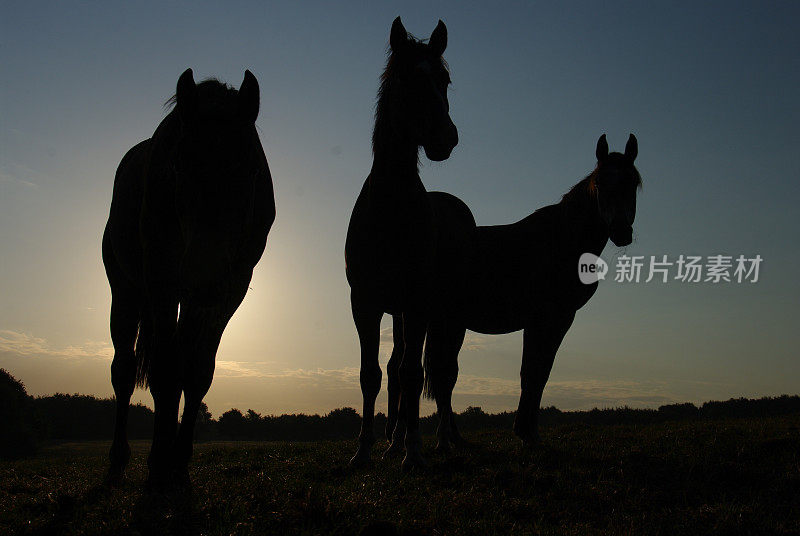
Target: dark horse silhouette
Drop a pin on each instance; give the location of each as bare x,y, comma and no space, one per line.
190,213
524,276
401,236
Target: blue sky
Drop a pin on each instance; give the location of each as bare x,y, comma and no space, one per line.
709,90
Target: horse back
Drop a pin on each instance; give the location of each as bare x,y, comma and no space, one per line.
516,268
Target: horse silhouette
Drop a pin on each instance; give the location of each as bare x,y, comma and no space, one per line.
524,276
190,213
400,236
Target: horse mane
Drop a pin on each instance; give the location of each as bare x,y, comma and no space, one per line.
416,47
587,187
212,93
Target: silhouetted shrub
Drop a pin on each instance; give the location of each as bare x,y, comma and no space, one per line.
232,424
205,427
20,427
676,412
77,417
744,407
25,421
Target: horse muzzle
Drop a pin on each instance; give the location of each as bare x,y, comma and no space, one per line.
443,146
621,236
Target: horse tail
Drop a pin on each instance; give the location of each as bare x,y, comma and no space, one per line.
143,349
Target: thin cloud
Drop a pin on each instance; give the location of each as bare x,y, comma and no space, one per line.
24,344
15,173
329,379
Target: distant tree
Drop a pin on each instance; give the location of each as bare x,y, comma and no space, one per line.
342,423
686,410
205,426
232,424
20,426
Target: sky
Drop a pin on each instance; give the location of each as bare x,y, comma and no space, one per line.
709,89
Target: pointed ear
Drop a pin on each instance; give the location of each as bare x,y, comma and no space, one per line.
249,97
398,38
602,148
632,148
186,94
438,40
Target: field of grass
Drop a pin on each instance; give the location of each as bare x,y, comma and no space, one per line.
736,476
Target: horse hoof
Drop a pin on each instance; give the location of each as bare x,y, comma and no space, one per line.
532,441
520,430
395,449
182,480
361,459
443,447
413,461
461,443
114,477
391,424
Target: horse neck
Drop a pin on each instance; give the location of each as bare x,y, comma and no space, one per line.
586,229
395,164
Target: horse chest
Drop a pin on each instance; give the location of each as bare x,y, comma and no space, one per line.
391,245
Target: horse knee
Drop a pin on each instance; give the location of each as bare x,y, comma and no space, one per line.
200,384
450,375
411,376
370,378
123,374
393,366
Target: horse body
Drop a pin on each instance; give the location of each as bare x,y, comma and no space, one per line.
391,251
519,267
523,276
190,214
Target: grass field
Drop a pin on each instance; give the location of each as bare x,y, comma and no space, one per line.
700,477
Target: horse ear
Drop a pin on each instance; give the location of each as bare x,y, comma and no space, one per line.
632,148
602,148
186,93
438,40
398,38
249,97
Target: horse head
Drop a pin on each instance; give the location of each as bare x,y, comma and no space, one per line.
616,183
217,124
415,82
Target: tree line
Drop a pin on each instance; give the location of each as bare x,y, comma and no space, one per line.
26,422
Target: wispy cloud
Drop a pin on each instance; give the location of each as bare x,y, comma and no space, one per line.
569,394
341,378
472,341
15,173
21,343
5,177
492,392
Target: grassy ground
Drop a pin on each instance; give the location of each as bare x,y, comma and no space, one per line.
734,476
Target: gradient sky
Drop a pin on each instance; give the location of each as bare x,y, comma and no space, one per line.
709,89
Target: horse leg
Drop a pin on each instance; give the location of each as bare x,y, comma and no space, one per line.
395,427
540,343
411,380
124,326
367,318
433,359
455,341
444,343
199,334
165,387
198,342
